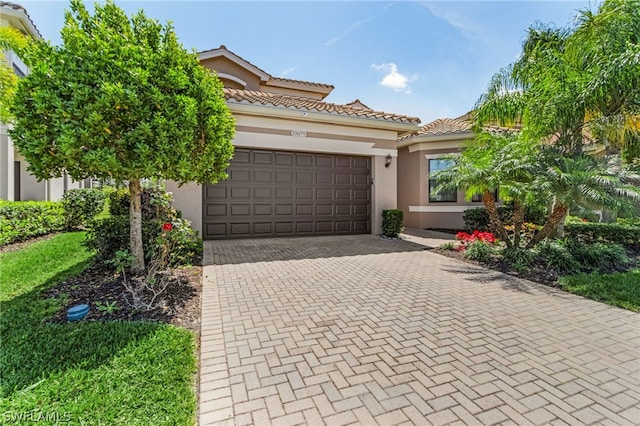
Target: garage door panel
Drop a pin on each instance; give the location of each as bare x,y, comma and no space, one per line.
277,193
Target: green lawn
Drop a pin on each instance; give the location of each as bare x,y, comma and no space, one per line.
621,289
125,373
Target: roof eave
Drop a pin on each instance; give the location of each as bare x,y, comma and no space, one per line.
467,134
24,19
319,116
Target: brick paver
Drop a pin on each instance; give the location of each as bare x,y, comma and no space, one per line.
361,330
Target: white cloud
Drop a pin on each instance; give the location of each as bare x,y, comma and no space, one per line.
287,71
394,79
348,31
455,16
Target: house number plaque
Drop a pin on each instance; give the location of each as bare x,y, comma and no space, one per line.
299,133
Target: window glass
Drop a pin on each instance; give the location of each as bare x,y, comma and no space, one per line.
443,196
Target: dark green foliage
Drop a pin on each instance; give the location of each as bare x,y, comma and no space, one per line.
109,235
519,258
21,220
119,202
479,251
598,256
628,236
557,257
81,206
478,218
155,203
619,289
392,223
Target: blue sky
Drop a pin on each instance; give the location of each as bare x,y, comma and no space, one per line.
428,59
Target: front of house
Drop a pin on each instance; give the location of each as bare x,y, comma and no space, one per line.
419,155
302,166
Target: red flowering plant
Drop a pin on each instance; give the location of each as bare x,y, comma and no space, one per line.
467,239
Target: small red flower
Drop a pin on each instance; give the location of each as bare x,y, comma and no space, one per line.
167,227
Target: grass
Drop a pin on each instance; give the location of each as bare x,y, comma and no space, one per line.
98,373
620,289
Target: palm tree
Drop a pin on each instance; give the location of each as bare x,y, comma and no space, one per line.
582,180
493,161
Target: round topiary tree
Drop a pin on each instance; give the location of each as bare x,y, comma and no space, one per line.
121,99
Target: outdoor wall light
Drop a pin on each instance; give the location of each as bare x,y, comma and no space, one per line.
387,162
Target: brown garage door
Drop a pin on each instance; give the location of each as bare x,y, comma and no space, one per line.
281,194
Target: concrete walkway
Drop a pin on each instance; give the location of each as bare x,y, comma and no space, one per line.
361,330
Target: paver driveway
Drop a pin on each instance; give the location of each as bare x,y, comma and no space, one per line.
360,330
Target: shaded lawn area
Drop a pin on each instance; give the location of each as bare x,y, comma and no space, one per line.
128,373
619,289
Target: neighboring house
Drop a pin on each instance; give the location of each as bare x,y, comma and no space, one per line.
16,183
418,155
302,166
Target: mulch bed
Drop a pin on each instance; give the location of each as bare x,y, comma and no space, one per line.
536,272
179,304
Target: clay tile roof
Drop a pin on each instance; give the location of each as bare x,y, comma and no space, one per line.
441,126
23,10
308,83
308,104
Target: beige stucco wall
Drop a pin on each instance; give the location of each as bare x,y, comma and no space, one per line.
224,65
6,165
413,187
188,199
384,190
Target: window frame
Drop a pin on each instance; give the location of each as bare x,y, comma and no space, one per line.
433,183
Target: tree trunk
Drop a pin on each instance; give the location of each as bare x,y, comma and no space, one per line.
135,226
494,217
518,220
558,214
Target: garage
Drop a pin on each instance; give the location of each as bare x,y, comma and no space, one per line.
272,193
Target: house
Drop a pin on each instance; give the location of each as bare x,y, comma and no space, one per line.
418,155
16,183
302,165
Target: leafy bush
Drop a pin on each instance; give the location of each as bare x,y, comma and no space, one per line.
478,250
478,218
392,223
119,202
21,220
519,258
109,235
556,256
626,235
598,256
186,246
155,203
449,245
81,206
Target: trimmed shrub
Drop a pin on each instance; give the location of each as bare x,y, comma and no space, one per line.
21,220
478,218
81,206
392,223
479,251
628,236
119,202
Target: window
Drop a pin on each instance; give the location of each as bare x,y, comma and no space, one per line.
478,198
443,196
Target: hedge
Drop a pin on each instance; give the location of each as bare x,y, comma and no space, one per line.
21,220
626,235
392,223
